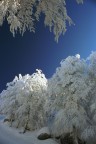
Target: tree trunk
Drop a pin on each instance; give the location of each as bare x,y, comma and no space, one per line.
75,136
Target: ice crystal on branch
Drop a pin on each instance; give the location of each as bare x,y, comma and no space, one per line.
23,14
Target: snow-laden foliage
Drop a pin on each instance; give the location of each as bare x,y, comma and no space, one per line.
23,14
23,100
66,102
68,88
72,98
67,83
90,131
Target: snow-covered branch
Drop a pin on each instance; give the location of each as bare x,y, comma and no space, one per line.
23,14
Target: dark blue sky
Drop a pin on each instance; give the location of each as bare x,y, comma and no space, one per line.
25,54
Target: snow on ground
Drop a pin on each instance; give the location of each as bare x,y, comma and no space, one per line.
10,135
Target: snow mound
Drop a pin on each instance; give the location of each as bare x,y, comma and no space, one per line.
10,135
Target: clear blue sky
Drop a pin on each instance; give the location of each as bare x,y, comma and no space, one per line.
25,54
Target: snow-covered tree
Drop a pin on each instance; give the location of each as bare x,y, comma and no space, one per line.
67,104
90,131
68,91
23,100
71,106
23,14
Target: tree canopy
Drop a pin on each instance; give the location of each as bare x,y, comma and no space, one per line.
65,103
23,14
